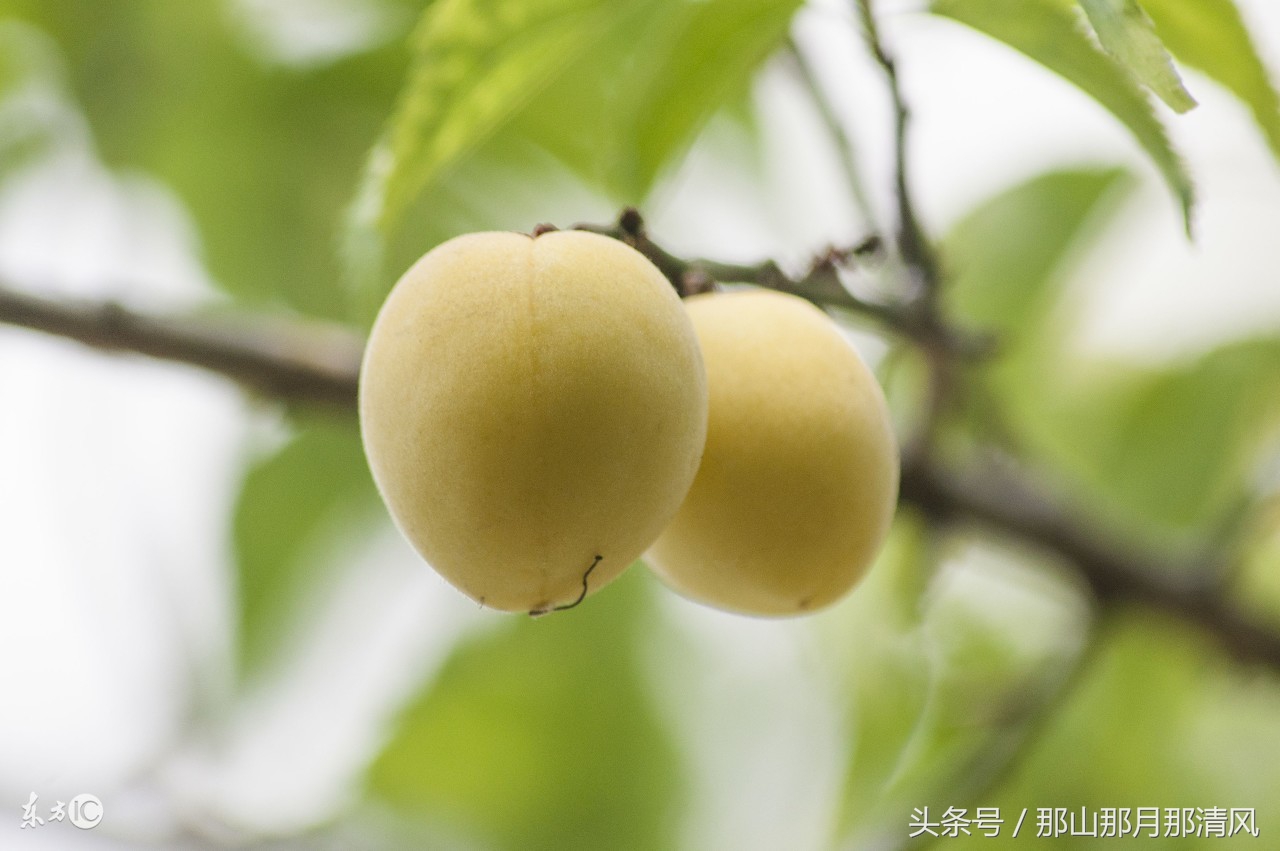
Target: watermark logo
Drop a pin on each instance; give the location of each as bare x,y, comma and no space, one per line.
84,811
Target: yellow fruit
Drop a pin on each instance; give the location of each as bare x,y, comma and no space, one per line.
532,409
799,478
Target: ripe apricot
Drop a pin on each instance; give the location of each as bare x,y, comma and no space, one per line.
799,478
533,410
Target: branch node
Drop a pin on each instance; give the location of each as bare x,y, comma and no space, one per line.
696,281
871,246
631,223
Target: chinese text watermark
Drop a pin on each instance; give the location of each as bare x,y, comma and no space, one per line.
1102,822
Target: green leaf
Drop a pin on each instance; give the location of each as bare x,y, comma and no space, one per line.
294,507
1257,584
934,702
32,80
876,641
1169,448
1158,720
1008,255
1128,34
634,103
477,63
25,53
541,734
616,92
1050,34
264,158
1211,36
708,59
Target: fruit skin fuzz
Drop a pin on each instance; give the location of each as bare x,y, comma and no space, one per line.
799,478
532,409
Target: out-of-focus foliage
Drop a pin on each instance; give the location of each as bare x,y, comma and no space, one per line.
1007,256
476,65
1010,259
1050,34
613,91
945,676
1157,722
264,156
1209,35
879,648
1167,448
31,87
294,508
542,734
1128,34
1258,582
932,678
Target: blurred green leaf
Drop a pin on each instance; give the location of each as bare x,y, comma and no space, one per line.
25,53
32,89
507,184
1128,34
1257,585
1211,36
477,63
1052,35
1158,721
265,157
541,734
614,91
1007,255
993,644
635,101
878,645
1167,448
294,507
1009,259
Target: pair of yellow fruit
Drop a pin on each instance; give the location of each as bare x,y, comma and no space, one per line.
538,412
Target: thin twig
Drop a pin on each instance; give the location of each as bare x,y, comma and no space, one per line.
925,275
913,245
820,285
845,151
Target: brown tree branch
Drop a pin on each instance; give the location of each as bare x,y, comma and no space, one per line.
298,363
1116,573
290,362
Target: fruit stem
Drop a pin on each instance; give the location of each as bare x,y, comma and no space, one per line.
537,613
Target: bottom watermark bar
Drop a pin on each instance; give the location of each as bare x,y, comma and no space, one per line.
1100,822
